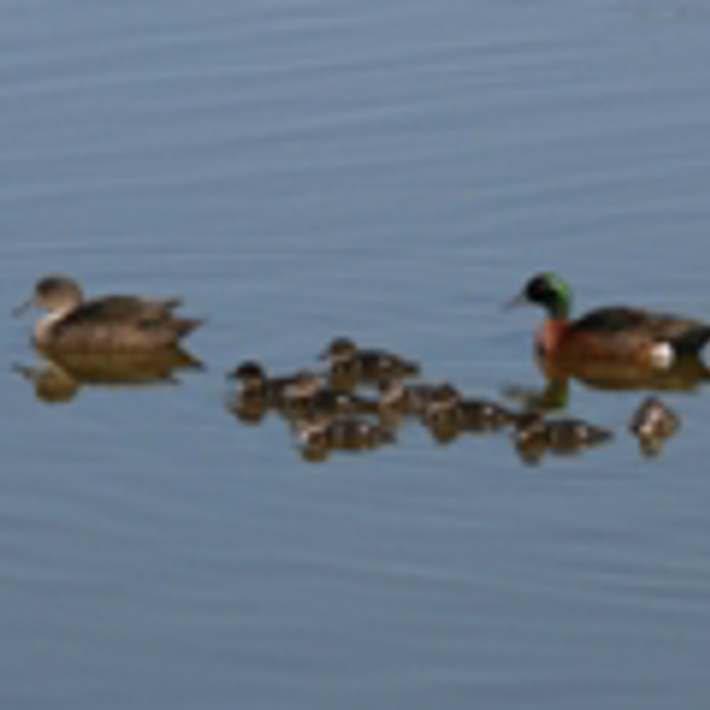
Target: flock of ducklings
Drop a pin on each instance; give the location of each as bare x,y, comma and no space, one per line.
327,413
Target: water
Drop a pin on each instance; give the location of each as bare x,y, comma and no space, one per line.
392,172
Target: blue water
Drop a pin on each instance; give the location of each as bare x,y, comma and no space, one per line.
299,170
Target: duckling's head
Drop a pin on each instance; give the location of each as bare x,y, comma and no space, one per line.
249,374
339,348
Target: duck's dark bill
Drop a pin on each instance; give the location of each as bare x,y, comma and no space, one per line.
19,310
519,300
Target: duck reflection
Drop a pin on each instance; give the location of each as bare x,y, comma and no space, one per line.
686,375
62,375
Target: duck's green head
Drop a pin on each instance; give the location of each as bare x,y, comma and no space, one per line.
551,292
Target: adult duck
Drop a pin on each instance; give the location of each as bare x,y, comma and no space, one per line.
106,324
618,333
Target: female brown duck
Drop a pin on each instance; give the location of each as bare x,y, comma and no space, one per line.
108,324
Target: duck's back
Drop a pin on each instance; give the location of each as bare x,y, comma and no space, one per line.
636,325
119,323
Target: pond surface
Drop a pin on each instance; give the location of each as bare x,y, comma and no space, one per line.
392,172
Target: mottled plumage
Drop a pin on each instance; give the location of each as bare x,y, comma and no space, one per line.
347,360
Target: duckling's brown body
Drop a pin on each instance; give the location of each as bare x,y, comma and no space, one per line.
349,361
468,414
342,433
533,435
254,384
652,423
397,396
653,418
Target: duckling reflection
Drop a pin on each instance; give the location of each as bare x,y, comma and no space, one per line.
347,361
534,436
652,423
64,375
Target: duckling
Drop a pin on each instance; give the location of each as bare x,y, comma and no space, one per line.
254,384
471,414
530,437
571,435
442,419
368,364
316,397
533,435
413,399
653,423
653,418
342,432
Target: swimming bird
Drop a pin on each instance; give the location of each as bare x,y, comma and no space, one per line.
533,435
254,383
106,324
397,396
346,359
652,423
342,432
617,333
466,413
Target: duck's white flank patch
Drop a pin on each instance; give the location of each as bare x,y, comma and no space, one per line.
662,355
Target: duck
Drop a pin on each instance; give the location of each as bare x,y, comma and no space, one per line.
403,398
104,324
341,432
347,359
652,423
467,413
313,395
533,435
254,383
653,418
619,334
530,437
570,435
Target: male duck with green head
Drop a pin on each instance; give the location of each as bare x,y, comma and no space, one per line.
617,334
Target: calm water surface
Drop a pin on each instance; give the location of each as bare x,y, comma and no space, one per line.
298,170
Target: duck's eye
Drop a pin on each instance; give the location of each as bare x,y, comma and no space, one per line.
537,288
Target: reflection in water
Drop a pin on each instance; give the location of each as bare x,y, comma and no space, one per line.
686,375
652,423
63,375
